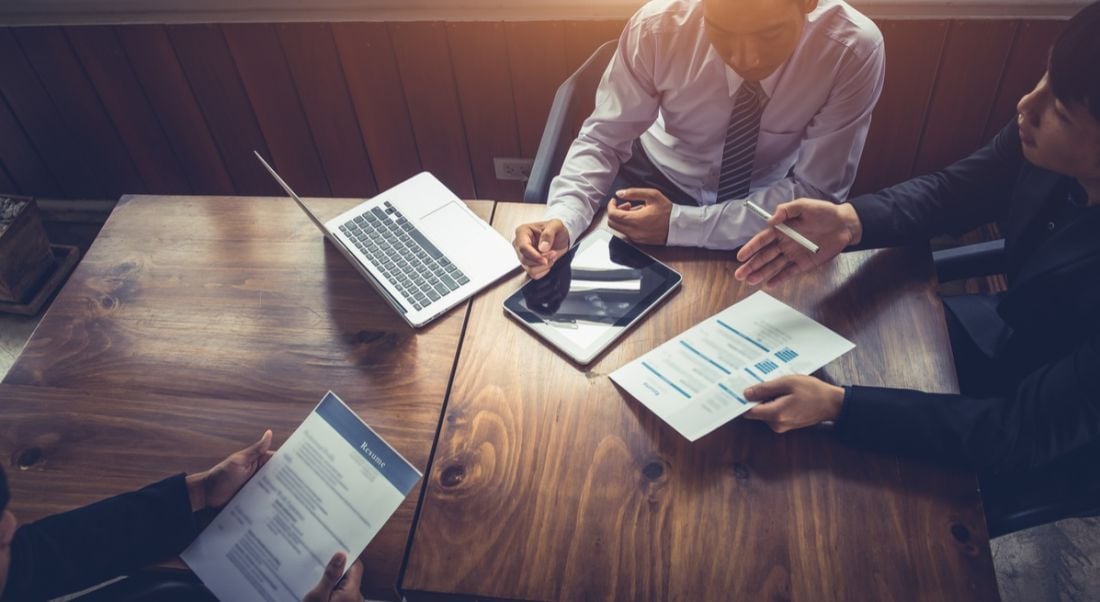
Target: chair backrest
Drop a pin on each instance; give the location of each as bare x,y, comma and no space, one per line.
575,94
971,261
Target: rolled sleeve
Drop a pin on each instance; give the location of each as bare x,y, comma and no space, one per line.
575,214
627,103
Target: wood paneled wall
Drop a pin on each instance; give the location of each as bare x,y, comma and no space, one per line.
347,109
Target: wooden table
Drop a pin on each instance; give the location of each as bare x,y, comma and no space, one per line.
193,324
547,483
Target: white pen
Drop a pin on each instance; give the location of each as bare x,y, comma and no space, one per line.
784,228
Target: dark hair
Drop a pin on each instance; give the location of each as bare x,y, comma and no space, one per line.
5,494
1072,72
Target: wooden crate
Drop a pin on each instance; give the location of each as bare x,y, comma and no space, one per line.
25,255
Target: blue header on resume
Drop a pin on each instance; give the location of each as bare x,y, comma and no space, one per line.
369,445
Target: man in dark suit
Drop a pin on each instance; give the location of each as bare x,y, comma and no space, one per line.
75,550
1028,416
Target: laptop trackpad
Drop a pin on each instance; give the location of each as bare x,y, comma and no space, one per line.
450,223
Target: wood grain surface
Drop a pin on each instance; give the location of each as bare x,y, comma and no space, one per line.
314,60
193,324
43,124
447,97
913,49
422,55
108,68
536,57
479,58
19,157
971,66
87,127
258,56
154,61
549,483
366,56
213,80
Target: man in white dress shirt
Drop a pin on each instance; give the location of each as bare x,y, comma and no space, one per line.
708,101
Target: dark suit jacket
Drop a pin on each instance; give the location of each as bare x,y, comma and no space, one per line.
74,550
1047,403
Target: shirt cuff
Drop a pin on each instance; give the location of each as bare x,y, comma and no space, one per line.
862,419
686,226
845,409
575,222
177,498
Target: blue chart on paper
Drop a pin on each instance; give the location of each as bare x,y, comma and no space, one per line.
743,335
766,366
786,354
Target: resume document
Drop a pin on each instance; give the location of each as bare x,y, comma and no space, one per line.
695,382
328,489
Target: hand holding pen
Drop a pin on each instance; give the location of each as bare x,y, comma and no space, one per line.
771,256
760,212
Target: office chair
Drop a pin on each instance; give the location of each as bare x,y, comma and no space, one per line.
154,585
1042,496
574,94
970,261
1039,499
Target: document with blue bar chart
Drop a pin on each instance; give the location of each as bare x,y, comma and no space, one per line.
695,382
328,489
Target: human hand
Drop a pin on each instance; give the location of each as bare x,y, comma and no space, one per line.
771,257
545,295
539,244
332,588
793,402
214,488
646,224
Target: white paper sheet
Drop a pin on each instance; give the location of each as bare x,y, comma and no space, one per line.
695,381
328,489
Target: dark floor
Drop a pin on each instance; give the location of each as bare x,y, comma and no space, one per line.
1052,562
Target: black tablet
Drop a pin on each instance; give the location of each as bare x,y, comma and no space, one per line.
592,295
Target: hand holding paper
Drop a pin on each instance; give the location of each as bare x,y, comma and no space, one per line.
287,533
697,381
335,585
213,488
794,402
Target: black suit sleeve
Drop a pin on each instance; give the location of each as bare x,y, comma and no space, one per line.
958,198
77,549
1052,412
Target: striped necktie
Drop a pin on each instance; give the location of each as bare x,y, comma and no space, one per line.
740,147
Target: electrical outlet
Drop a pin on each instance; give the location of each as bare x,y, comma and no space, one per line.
508,168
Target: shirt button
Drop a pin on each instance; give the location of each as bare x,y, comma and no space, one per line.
1050,226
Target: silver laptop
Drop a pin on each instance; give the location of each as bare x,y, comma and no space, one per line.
418,245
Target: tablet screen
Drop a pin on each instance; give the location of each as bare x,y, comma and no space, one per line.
593,292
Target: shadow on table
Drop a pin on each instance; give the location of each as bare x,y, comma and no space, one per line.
868,292
749,452
371,329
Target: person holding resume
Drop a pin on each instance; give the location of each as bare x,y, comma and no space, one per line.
51,557
1028,360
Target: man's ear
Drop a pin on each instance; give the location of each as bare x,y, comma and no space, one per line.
808,6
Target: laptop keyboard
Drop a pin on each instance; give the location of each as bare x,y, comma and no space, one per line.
407,260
